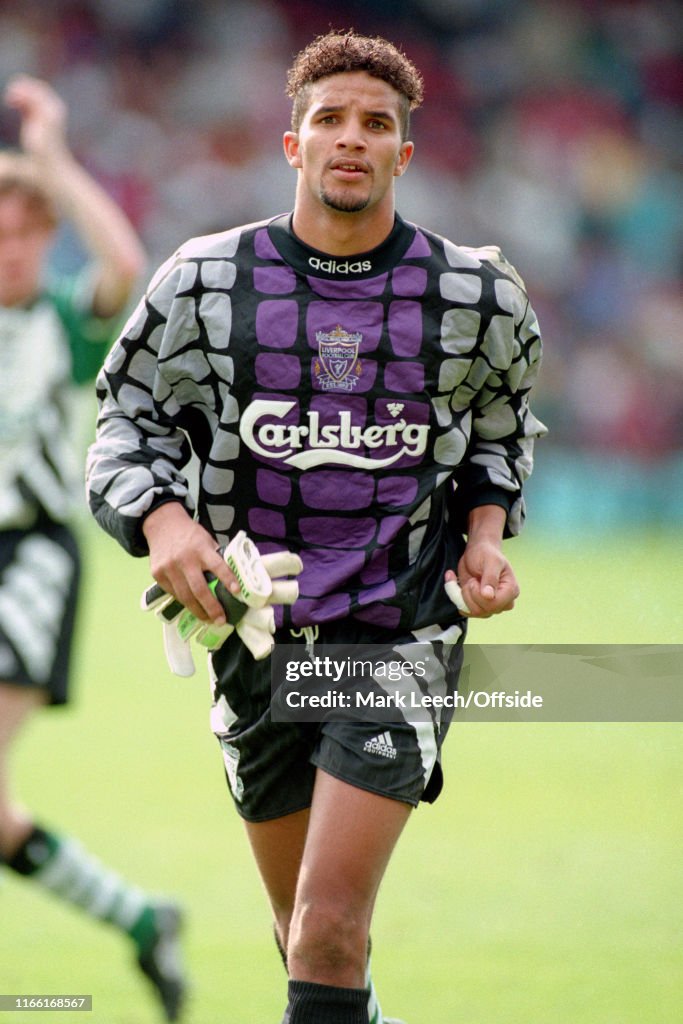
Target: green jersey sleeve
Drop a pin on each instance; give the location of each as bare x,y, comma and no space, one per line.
88,335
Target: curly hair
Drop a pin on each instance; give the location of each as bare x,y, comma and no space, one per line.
336,52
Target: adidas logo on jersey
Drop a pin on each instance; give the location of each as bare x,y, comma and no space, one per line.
343,267
382,745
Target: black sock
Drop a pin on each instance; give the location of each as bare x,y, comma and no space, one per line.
310,1003
36,850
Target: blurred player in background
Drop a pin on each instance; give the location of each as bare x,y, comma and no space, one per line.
54,331
336,371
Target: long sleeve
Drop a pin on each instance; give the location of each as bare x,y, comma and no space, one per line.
137,460
500,454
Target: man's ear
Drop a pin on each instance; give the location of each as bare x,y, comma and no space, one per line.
290,142
403,159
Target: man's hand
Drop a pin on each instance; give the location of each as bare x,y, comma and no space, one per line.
108,237
43,117
485,583
256,584
180,553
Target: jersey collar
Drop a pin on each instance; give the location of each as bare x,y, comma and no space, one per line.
312,262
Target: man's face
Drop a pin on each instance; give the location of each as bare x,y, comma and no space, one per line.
25,237
348,147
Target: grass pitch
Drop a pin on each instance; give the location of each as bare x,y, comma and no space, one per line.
544,886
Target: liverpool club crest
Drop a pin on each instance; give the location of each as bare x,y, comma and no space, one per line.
337,367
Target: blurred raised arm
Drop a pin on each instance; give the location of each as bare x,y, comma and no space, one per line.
103,227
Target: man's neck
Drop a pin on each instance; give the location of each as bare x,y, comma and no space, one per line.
343,234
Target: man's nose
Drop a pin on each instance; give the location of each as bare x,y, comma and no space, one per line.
351,136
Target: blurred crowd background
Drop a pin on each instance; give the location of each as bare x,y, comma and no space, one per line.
550,128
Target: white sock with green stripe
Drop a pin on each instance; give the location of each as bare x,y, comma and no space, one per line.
374,1009
61,865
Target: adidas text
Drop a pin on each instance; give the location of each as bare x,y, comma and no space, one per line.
332,267
382,745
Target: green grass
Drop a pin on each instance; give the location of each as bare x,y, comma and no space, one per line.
543,887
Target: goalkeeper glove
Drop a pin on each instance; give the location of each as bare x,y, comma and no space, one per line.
250,613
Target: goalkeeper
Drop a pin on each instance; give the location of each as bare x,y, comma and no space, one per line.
356,391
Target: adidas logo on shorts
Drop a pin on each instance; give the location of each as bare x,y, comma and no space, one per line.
382,745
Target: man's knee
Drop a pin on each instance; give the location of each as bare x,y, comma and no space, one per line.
328,937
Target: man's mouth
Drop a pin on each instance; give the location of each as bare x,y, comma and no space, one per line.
351,167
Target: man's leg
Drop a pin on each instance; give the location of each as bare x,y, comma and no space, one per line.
278,847
17,704
63,867
351,836
322,870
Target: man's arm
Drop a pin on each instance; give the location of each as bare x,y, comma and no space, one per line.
138,459
103,228
486,579
499,458
488,502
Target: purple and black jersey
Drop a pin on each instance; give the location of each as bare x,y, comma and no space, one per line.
350,409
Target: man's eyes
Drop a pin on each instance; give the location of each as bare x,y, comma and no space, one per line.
373,123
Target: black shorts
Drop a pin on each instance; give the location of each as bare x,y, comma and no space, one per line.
270,765
39,577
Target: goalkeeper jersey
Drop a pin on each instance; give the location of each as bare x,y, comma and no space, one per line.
350,409
47,347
